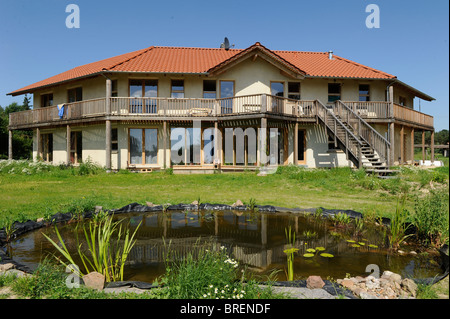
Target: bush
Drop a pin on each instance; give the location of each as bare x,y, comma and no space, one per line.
431,217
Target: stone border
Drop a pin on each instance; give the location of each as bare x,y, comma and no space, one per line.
331,288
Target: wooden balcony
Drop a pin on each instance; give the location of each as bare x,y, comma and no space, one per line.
171,108
380,111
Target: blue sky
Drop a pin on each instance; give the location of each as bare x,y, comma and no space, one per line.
411,43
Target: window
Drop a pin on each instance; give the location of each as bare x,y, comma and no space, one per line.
185,145
47,147
75,95
402,100
143,88
277,88
364,93
334,92
47,100
294,90
209,89
226,93
177,89
114,141
76,147
208,146
114,90
143,146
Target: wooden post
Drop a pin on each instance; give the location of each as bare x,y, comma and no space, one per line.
391,102
392,141
38,144
263,140
68,131
423,146
296,144
108,124
412,146
10,148
432,146
164,144
402,145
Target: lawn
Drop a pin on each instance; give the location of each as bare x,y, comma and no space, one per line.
32,195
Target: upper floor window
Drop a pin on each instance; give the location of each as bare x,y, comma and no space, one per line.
294,90
47,100
75,95
114,90
142,88
402,100
277,88
209,89
334,92
177,89
364,92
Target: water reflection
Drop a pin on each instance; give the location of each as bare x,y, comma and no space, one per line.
254,239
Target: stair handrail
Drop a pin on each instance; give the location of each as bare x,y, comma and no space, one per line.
356,153
371,136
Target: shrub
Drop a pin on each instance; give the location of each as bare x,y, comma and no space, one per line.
431,217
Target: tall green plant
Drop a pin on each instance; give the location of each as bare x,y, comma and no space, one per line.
398,225
107,257
290,251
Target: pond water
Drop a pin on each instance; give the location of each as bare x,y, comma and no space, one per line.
256,240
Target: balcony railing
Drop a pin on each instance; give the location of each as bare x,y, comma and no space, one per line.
189,107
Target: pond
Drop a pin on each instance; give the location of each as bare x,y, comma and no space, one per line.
256,240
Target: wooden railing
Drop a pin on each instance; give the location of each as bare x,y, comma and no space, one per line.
406,114
362,129
348,139
190,107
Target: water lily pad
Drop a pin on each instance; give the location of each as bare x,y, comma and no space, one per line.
326,255
320,248
351,241
362,244
373,246
355,245
311,250
308,255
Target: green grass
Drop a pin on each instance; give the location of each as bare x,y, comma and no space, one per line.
31,196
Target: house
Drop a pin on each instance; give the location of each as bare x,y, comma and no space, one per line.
164,107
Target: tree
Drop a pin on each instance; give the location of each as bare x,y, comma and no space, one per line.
22,140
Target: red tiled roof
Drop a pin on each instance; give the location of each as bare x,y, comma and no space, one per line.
201,60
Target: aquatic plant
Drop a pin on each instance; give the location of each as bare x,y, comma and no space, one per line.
290,251
106,257
341,220
399,227
252,205
308,234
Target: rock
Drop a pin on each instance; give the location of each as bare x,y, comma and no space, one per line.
238,203
412,252
195,202
347,283
372,285
366,295
94,280
40,220
98,209
314,282
150,204
409,286
17,273
6,267
392,277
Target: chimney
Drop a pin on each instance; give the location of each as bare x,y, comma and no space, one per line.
330,55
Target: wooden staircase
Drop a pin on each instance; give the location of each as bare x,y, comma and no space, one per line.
362,144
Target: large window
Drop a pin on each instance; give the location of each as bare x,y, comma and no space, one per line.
143,88
143,146
294,90
76,147
364,92
226,93
75,95
177,89
209,89
185,145
47,100
47,147
334,92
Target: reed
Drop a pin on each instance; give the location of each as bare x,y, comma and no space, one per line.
290,251
109,245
